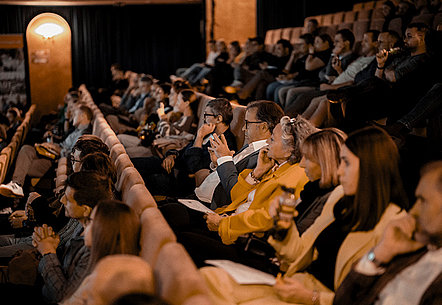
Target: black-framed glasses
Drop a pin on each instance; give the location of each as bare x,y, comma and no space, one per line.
251,122
209,114
73,160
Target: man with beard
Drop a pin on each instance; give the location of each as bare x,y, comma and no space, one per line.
405,267
396,87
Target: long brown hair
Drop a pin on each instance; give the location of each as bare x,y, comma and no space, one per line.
379,179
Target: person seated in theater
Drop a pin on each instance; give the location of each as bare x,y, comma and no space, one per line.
278,164
317,100
39,210
126,120
405,266
185,108
341,57
269,69
260,119
397,85
222,73
158,173
371,195
29,163
126,101
15,119
251,64
405,10
312,27
389,12
114,229
62,267
295,68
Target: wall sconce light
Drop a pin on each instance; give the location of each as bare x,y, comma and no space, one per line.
49,30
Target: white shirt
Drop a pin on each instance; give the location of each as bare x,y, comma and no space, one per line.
354,68
205,191
418,277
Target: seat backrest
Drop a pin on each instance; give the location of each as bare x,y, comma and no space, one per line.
338,18
348,25
3,166
269,37
349,16
139,198
155,233
129,177
122,161
296,32
176,277
111,140
364,15
202,102
377,13
237,124
358,6
286,33
396,25
327,20
115,151
359,28
369,5
424,18
377,24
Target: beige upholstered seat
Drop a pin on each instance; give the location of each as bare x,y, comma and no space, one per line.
139,198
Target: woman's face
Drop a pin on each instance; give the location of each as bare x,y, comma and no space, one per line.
348,171
278,151
311,168
88,230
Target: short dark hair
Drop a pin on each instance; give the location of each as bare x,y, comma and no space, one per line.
257,39
87,111
117,66
347,35
100,163
235,44
326,37
146,79
88,144
267,111
436,167
309,38
89,187
420,26
314,21
180,85
374,34
396,36
190,96
221,106
285,44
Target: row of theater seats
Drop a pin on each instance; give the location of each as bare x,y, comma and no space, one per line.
364,16
176,278
8,154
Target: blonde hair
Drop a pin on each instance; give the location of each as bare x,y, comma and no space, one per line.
294,131
324,148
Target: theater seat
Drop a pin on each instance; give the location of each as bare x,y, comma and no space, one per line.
396,25
116,150
122,162
129,177
155,233
176,277
139,198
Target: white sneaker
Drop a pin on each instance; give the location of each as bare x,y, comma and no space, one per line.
11,189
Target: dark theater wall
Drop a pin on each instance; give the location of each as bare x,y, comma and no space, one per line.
153,39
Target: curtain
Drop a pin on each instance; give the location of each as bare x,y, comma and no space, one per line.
154,39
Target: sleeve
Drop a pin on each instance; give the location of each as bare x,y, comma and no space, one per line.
56,281
228,175
408,67
241,187
196,158
354,287
232,227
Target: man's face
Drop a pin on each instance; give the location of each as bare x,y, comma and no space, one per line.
385,41
428,209
413,39
144,86
254,46
311,27
301,46
280,51
340,46
253,131
367,43
71,207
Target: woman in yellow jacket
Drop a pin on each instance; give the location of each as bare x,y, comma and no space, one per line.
277,165
351,223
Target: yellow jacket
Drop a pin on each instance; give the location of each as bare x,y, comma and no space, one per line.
257,218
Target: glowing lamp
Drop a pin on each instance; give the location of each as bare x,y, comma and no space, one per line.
49,30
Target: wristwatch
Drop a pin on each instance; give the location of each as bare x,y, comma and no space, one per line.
372,258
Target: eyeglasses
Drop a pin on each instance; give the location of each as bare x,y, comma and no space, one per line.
251,122
72,159
209,114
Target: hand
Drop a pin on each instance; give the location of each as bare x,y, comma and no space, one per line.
274,208
337,64
397,239
45,240
213,157
220,146
293,291
168,163
381,58
47,134
311,50
205,130
264,163
213,221
16,219
324,87
263,65
160,111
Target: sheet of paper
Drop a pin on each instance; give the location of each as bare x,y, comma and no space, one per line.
243,274
195,205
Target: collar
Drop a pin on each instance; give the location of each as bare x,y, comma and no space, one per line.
257,145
